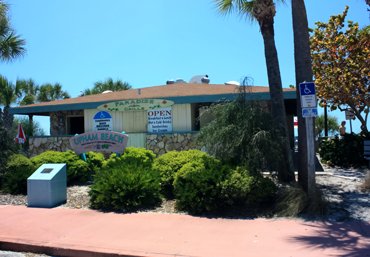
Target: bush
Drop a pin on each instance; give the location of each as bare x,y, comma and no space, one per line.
17,170
77,169
343,152
95,161
132,156
170,163
196,185
125,188
242,189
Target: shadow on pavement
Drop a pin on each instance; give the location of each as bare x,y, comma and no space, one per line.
351,238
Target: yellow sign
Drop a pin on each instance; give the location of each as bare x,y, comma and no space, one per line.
136,105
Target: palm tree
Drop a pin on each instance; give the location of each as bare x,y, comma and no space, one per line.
7,97
303,72
263,11
11,45
49,92
27,90
108,84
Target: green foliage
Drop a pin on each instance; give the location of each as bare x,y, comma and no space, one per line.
108,84
197,185
17,170
241,134
7,146
77,170
95,161
343,152
333,125
125,188
132,156
170,163
242,189
341,65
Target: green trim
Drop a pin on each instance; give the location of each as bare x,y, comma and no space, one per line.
176,99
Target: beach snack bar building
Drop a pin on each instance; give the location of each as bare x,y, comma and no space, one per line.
160,118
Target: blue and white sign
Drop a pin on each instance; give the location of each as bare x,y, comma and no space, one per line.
308,99
308,95
309,112
103,121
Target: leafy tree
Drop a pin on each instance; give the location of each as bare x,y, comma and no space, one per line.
341,65
241,134
36,128
49,92
108,84
263,11
11,45
333,125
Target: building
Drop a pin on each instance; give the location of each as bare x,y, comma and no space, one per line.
160,118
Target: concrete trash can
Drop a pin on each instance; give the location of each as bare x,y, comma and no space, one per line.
47,186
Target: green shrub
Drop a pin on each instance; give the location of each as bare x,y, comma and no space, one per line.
344,152
196,185
242,189
170,163
17,170
77,169
132,156
95,161
125,188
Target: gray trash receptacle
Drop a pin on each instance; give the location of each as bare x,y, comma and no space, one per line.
47,186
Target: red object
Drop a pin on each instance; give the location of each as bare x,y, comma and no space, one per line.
295,121
21,137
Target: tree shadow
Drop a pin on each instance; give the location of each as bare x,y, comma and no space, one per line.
352,238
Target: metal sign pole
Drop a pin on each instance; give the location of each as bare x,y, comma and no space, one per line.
310,156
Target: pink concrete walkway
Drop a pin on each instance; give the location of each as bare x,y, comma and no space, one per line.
67,232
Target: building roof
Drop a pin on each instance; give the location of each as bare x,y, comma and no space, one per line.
179,93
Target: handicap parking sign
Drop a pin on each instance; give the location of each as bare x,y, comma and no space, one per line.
308,95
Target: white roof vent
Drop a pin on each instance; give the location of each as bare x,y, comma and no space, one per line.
200,79
232,82
180,81
107,91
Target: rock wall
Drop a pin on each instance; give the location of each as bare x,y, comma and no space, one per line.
162,143
58,121
158,143
39,145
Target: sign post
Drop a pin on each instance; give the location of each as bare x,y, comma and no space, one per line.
309,111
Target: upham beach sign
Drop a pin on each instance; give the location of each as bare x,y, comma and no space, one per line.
99,141
136,105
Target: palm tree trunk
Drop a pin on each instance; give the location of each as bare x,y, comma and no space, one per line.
8,118
303,72
285,173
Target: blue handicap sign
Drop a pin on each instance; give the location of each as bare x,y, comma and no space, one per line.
309,112
307,88
102,115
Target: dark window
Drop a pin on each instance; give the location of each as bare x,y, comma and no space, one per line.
76,125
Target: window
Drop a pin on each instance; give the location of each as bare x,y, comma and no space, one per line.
75,125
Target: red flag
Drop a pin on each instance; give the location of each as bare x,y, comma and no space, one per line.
21,137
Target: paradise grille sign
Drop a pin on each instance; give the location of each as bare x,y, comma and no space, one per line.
136,105
99,141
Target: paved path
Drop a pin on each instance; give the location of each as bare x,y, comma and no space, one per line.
71,232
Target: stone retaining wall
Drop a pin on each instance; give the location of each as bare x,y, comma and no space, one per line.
158,143
39,145
162,143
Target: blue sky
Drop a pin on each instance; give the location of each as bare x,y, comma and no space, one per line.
77,43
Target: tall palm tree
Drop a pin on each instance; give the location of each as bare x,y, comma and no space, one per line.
27,90
303,72
11,45
263,11
108,84
7,97
49,92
